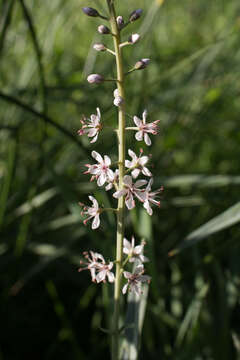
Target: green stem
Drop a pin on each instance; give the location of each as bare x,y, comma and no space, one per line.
121,167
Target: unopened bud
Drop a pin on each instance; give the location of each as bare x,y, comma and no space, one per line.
135,15
102,29
133,38
141,64
99,47
116,93
90,11
118,100
120,22
95,79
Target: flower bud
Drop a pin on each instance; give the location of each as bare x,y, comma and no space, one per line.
116,93
99,47
118,100
141,64
120,22
90,11
95,79
135,15
133,38
102,29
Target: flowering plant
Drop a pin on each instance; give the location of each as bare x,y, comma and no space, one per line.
124,180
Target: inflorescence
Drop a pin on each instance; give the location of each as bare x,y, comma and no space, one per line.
103,172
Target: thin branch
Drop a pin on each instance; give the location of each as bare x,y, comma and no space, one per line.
39,115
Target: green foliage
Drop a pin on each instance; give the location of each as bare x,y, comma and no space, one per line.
48,310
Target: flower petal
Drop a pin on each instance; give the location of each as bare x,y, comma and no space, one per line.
137,121
139,135
96,222
147,139
97,156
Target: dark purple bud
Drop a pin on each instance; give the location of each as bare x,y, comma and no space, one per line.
141,64
95,79
99,47
102,29
90,11
135,15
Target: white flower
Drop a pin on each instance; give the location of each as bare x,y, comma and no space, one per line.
100,171
149,197
134,252
131,190
91,126
98,268
133,38
93,212
137,164
135,280
144,129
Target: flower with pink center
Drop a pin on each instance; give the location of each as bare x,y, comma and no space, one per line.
100,171
149,197
98,268
135,279
135,253
92,212
130,190
137,164
145,129
91,126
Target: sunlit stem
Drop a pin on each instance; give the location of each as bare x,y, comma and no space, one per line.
121,163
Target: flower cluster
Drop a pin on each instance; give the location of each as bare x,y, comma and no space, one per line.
123,178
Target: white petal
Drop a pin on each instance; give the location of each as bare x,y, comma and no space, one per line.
101,275
107,160
146,172
127,180
147,139
97,156
140,183
128,163
135,173
138,249
147,206
124,289
129,201
144,116
139,135
92,132
137,121
98,114
127,244
101,179
110,276
127,274
132,154
109,187
110,175
96,222
94,139
95,203
119,193
143,160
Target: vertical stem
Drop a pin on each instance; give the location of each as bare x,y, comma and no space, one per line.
121,167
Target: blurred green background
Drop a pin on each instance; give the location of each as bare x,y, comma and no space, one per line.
47,309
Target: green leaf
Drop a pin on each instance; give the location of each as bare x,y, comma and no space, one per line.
226,219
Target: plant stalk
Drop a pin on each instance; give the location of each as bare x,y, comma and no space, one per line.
121,166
